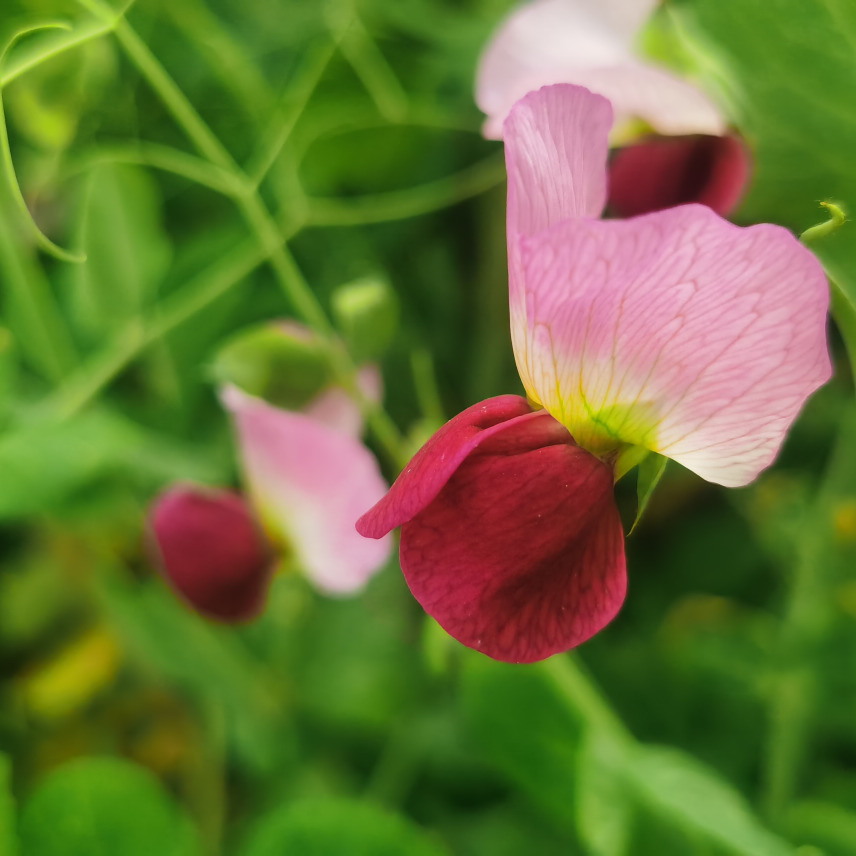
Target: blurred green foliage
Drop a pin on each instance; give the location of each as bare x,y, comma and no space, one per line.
225,164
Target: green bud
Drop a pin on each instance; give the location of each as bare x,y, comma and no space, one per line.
281,363
366,312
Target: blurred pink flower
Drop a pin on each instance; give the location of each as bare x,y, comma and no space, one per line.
661,172
675,332
308,476
589,43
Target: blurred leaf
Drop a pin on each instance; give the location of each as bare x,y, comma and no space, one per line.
8,836
684,792
526,730
824,825
603,805
127,249
69,680
45,462
206,661
367,314
806,71
104,807
332,827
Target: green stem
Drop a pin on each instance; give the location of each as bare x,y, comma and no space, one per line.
582,694
410,202
131,340
371,66
300,92
164,158
269,236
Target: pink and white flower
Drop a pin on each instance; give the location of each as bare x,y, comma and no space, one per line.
675,332
308,477
589,43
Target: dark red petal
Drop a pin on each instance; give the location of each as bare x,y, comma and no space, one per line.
521,555
210,550
432,466
662,172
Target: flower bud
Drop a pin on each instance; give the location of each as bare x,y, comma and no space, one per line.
210,550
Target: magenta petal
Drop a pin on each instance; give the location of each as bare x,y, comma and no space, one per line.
433,465
521,554
661,172
211,551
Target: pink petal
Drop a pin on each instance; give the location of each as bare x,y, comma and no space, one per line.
211,551
336,409
433,465
661,172
311,482
675,331
590,44
520,555
555,152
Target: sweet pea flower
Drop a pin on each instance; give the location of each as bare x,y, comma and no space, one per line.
589,43
674,332
308,477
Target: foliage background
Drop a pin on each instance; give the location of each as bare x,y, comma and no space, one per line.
715,715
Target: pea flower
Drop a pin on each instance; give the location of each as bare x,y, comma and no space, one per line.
590,43
674,332
308,476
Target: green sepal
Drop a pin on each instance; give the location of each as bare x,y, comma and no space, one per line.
286,367
650,472
366,312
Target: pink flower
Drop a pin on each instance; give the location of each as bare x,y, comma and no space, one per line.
308,477
660,172
675,332
590,43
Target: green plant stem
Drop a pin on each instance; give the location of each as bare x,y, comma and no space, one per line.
410,202
582,694
370,65
38,322
258,218
160,157
227,59
300,91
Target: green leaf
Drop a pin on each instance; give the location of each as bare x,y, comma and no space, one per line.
8,837
46,462
527,731
604,809
104,807
792,94
686,794
127,249
824,825
330,827
650,472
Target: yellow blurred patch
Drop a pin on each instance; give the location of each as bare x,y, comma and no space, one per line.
844,521
73,676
